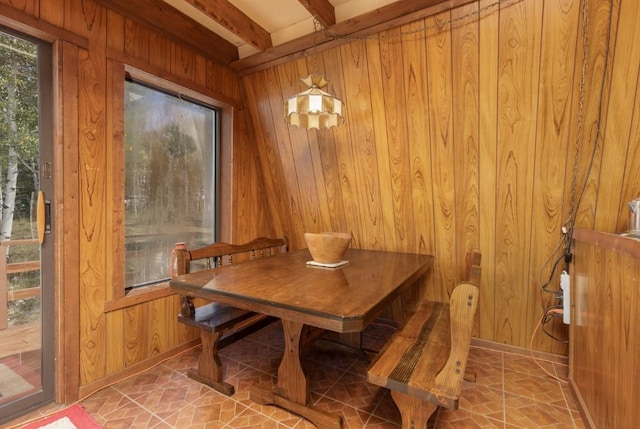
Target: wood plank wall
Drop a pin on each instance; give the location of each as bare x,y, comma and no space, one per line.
105,340
462,130
463,135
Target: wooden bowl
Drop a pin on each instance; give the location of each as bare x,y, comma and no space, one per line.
327,247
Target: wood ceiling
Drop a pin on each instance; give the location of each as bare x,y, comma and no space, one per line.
249,35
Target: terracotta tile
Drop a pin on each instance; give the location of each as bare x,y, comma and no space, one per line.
482,400
526,413
460,419
510,391
210,410
322,377
331,357
533,386
184,361
351,417
486,357
249,352
386,409
271,335
352,389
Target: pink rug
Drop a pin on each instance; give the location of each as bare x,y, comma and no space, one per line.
74,417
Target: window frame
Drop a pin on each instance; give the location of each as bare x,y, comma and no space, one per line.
117,297
214,167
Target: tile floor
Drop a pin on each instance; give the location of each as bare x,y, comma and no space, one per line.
510,391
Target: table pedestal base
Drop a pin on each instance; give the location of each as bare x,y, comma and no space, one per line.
271,396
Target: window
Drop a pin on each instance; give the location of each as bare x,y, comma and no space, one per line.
171,178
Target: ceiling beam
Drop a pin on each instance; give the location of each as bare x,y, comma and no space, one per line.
234,20
322,10
385,18
176,26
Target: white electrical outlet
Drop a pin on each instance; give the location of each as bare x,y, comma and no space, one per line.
565,285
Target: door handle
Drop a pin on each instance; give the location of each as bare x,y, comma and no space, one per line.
43,215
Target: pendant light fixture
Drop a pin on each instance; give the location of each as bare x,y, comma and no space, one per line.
313,107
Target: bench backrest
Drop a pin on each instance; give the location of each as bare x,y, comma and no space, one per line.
462,310
218,254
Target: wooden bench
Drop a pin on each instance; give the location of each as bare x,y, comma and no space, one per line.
218,321
424,363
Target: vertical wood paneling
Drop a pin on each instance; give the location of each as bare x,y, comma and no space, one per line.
160,50
396,155
322,160
377,52
415,68
342,170
490,109
92,116
468,121
362,147
632,163
183,62
604,363
68,199
519,52
440,91
99,344
285,151
114,144
487,185
618,118
556,70
296,155
597,92
271,172
116,34
465,62
244,182
135,336
136,40
51,13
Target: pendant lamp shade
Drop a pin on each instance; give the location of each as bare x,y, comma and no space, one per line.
313,107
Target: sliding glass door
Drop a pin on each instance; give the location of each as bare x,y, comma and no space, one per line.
26,242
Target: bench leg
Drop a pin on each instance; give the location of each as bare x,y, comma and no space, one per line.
209,365
415,412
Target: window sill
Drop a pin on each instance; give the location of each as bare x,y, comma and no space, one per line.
139,296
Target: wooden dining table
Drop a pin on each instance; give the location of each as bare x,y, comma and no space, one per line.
344,299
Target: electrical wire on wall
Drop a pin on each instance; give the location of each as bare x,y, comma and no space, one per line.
555,311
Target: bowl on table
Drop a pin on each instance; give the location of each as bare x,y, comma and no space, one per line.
327,247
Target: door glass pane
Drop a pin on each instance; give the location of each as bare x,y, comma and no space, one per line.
20,279
170,179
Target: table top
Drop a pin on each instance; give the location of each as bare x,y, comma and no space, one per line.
343,299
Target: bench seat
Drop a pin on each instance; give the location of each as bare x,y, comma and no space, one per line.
424,362
220,323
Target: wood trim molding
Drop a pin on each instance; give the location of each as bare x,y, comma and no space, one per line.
157,72
139,296
506,348
138,368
